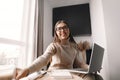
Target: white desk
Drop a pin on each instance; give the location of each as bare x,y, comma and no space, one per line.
74,77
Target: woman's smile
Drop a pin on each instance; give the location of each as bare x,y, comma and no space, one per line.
62,31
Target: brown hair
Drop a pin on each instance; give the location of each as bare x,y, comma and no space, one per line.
83,45
56,39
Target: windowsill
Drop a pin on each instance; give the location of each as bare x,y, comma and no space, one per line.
6,72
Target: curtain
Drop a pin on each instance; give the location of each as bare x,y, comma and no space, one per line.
29,20
35,37
37,40
40,27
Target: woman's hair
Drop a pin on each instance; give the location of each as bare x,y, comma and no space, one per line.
56,39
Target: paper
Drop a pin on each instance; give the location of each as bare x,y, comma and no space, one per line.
61,74
33,76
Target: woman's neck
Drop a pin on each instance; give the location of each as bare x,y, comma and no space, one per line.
65,42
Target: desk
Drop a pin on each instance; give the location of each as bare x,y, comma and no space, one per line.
74,77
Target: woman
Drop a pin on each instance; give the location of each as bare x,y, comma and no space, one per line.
83,46
62,53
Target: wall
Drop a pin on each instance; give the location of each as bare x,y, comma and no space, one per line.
99,35
84,38
112,24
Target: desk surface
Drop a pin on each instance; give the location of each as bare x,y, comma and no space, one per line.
48,77
74,77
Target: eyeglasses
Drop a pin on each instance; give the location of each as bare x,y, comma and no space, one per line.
61,28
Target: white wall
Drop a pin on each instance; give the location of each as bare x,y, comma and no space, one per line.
98,30
111,10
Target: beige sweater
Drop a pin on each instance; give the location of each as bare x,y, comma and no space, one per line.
59,56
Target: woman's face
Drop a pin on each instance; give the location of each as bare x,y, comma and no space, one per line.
62,31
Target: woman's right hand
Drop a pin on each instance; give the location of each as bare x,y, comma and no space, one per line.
21,73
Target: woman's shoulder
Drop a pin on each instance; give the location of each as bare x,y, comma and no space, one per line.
74,45
53,44
51,47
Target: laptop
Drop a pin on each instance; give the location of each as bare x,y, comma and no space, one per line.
95,60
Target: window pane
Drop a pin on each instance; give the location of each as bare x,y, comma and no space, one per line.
9,54
11,12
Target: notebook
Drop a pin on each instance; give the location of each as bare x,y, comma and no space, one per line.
34,75
61,74
95,60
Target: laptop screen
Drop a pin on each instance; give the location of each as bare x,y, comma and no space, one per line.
96,58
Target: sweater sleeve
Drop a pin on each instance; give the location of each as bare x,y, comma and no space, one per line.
78,59
43,60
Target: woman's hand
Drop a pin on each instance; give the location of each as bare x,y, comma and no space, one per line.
21,73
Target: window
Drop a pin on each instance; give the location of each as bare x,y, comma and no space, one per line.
15,35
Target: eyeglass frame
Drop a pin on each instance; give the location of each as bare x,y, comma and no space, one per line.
61,28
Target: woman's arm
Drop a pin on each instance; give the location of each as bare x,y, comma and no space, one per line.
44,59
21,73
38,63
79,61
85,66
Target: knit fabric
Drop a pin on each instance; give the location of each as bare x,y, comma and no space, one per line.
61,57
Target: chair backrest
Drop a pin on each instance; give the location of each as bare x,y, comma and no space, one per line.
88,55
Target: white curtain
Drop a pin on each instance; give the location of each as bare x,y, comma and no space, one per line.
37,13
34,22
30,19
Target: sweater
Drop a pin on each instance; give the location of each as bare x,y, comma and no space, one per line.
60,57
